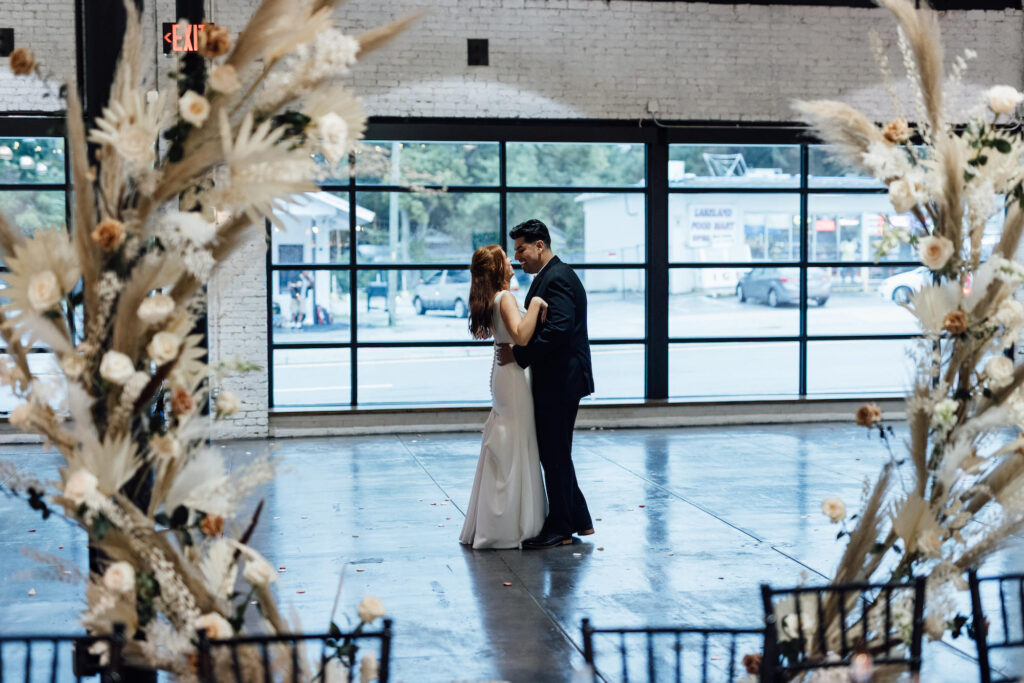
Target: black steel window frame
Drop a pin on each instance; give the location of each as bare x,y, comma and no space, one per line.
782,135
657,266
41,126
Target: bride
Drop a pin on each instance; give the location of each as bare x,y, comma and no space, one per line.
508,503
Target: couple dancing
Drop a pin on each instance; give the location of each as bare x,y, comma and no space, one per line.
541,370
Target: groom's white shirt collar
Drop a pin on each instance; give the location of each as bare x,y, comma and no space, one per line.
544,266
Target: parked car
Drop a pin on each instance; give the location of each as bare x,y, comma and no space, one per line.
777,286
900,286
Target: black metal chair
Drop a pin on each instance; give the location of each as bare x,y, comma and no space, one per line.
257,659
1008,589
42,657
866,620
704,654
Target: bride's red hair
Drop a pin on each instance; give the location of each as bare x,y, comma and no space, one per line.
488,272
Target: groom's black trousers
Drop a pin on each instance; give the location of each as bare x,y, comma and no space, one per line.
567,509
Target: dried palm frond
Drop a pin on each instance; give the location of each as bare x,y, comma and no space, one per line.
921,28
848,131
379,37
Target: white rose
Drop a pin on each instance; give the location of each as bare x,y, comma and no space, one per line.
44,291
1010,313
116,367
369,668
41,168
119,577
333,136
224,79
335,672
935,251
27,163
155,309
194,108
902,196
258,571
164,347
929,542
227,404
371,608
1003,99
833,508
81,487
944,414
6,153
999,371
217,627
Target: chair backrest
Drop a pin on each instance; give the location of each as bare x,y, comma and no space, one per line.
1005,593
283,658
44,657
821,627
677,653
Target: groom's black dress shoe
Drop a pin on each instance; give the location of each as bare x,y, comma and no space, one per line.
546,540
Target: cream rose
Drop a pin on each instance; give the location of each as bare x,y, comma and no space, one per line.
73,365
19,416
119,577
935,252
44,291
1010,313
81,487
217,627
371,608
155,309
833,508
224,79
164,347
369,668
116,367
194,108
258,571
227,404
166,446
1003,99
944,414
333,136
999,371
902,196
929,542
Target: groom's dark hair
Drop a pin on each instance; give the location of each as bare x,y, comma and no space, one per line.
532,231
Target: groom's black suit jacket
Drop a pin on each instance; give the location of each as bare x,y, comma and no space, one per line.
559,352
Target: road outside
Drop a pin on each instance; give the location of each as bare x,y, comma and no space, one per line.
701,370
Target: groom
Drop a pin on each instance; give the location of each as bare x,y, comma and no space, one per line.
559,355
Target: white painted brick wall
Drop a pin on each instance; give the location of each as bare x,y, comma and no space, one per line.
561,59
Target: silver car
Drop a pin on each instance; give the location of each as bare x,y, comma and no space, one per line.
443,290
777,286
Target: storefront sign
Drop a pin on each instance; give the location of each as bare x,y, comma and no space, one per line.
712,226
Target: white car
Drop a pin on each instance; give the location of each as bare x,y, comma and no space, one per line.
900,286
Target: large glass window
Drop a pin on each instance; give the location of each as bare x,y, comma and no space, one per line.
33,196
763,248
369,277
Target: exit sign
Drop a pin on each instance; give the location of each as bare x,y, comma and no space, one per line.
179,38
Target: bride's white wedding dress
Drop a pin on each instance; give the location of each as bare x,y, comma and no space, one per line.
508,503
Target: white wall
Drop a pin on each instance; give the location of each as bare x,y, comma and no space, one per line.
557,59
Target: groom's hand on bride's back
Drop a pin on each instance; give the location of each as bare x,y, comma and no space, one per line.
504,353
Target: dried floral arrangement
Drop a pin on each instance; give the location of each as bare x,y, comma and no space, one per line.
958,495
179,182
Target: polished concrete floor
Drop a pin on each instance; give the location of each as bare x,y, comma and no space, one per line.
689,523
